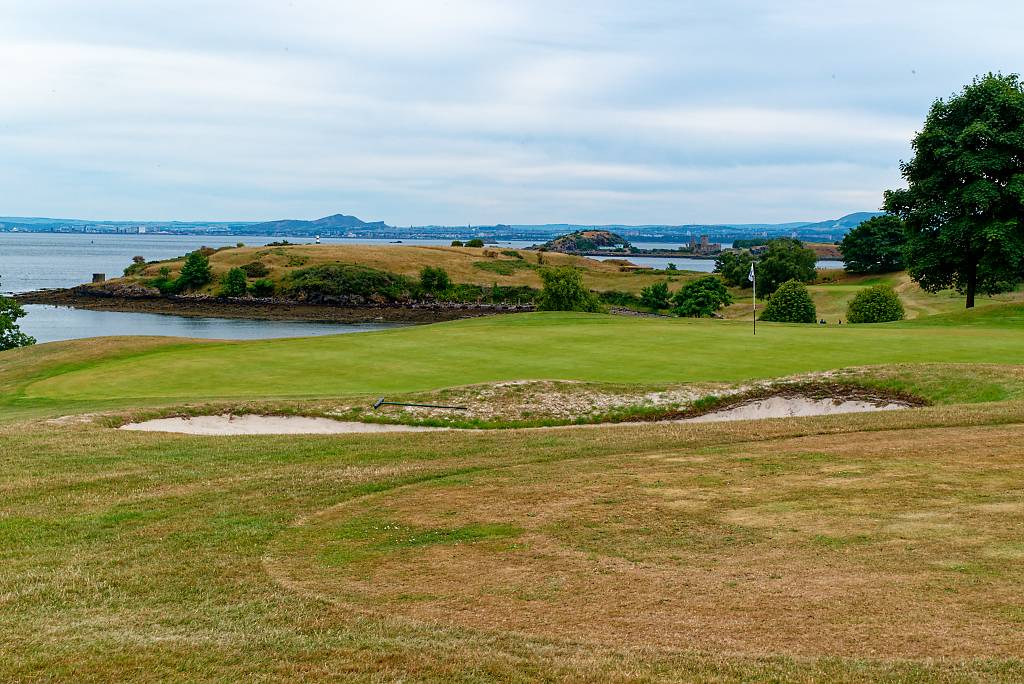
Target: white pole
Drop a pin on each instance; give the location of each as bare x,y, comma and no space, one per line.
753,295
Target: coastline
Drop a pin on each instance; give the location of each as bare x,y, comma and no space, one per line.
264,309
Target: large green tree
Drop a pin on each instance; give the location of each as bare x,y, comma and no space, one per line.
10,334
875,246
964,202
785,259
734,267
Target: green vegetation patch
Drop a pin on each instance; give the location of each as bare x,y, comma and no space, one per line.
503,267
368,538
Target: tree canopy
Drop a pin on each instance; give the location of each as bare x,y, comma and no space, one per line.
734,267
785,259
10,334
195,272
964,201
875,246
701,297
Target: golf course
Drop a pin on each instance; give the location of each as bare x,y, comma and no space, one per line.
878,546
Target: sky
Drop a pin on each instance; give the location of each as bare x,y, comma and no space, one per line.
477,111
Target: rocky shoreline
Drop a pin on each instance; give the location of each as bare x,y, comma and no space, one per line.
339,311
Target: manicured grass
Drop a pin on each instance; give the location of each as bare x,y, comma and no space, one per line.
548,345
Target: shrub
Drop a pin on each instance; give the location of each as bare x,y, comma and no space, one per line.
671,267
618,298
164,282
264,287
137,266
434,279
790,303
655,296
701,297
195,273
335,280
564,291
475,242
255,269
457,243
512,253
877,304
233,283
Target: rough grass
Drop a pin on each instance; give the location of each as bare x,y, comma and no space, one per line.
879,547
465,265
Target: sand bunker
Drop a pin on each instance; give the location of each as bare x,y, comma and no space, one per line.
265,425
791,407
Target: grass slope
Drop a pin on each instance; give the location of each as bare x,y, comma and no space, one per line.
479,266
538,346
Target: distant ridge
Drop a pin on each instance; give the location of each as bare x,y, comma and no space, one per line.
327,224
343,225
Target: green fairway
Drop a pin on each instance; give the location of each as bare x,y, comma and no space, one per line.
529,346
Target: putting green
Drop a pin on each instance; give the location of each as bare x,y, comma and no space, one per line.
527,346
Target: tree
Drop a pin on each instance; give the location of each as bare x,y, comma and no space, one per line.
10,334
564,291
475,242
790,303
434,279
784,259
655,296
875,246
195,272
701,297
734,267
877,304
457,243
233,283
963,206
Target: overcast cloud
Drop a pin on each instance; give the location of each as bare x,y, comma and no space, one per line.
476,111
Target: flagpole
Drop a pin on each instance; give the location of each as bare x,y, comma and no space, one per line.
753,295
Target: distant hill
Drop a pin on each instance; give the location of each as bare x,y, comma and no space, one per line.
585,241
843,224
324,226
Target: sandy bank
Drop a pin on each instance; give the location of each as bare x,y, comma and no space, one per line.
792,407
772,407
265,425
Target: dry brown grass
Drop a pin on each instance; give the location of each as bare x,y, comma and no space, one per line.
890,544
861,547
462,263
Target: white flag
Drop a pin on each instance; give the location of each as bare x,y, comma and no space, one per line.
751,276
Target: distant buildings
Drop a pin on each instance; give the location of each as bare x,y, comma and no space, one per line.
704,247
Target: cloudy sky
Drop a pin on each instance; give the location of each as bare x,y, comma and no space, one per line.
476,111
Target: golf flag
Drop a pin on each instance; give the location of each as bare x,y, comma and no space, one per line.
753,295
